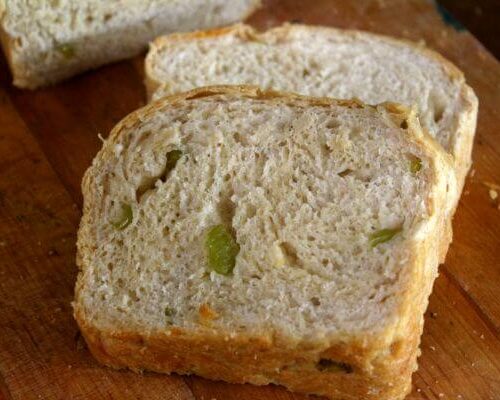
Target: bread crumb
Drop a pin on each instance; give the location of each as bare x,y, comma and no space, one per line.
441,394
52,252
493,194
434,315
472,173
491,185
432,348
482,336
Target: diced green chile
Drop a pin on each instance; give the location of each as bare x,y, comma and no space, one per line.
125,219
327,365
172,158
221,249
382,236
67,50
415,165
169,312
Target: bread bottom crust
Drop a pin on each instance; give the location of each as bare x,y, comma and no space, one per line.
260,361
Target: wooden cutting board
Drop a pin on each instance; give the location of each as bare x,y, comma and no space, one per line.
49,137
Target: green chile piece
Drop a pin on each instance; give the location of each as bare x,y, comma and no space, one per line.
169,311
172,158
125,219
222,250
67,50
415,165
382,236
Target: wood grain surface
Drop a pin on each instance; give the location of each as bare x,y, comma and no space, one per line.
49,137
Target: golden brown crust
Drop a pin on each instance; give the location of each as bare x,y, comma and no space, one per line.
376,366
242,361
462,140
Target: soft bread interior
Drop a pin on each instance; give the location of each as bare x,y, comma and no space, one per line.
319,61
302,187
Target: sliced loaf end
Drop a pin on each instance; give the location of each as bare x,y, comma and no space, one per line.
71,37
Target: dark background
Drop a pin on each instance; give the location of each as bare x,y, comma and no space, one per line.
480,17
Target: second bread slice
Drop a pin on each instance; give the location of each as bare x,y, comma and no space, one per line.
320,61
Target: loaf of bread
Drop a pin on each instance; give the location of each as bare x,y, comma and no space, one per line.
46,41
319,61
264,237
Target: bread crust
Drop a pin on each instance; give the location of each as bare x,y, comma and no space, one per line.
463,137
381,363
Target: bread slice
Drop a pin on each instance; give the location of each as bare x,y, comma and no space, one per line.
264,237
46,41
320,61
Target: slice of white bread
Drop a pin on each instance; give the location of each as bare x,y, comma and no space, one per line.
46,41
319,61
333,218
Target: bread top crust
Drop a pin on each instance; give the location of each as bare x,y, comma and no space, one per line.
456,135
441,182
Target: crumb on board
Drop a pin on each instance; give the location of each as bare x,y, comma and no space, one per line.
493,189
492,185
472,173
